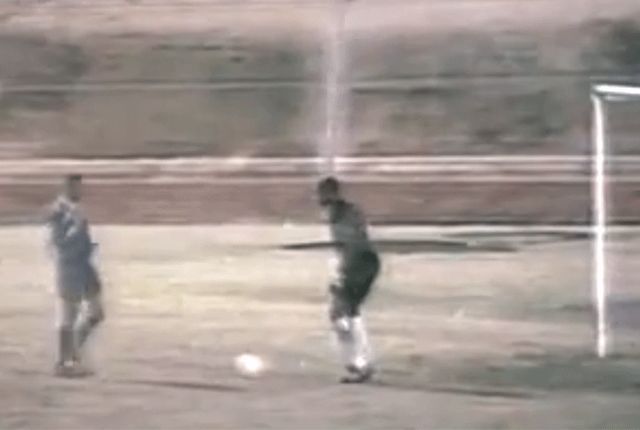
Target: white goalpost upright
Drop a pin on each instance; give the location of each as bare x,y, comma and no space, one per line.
600,95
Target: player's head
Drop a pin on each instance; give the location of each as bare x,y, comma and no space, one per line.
328,191
72,185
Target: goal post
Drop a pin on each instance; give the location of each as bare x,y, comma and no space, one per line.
601,95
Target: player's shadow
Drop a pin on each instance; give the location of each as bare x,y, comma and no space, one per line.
478,242
416,246
186,385
624,312
550,373
522,376
457,389
524,237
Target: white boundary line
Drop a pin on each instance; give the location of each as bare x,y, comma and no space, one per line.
239,160
306,179
403,169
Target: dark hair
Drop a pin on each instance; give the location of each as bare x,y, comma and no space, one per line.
329,184
74,177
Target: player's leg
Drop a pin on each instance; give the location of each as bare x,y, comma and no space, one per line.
68,310
358,287
93,313
354,343
338,317
341,324
92,316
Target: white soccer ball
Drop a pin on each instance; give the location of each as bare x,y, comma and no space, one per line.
249,365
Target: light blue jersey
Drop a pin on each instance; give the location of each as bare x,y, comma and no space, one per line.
71,240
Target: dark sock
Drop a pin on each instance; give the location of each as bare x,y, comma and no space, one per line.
66,345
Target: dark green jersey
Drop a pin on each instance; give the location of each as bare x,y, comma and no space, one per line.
349,230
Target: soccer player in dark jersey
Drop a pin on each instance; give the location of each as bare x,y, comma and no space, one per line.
358,265
78,285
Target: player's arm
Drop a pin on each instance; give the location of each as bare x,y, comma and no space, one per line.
52,219
55,219
360,223
72,235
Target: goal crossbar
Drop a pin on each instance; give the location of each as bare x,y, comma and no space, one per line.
612,90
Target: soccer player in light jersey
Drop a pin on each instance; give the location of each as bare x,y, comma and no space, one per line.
77,281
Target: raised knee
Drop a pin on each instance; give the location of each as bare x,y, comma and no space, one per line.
341,324
65,327
94,320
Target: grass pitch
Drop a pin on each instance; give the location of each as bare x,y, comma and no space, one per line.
471,331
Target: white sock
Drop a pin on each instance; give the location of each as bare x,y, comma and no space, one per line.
362,354
345,339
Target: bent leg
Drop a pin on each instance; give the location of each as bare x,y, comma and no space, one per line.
92,317
68,310
341,325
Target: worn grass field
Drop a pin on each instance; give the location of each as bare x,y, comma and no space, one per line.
472,329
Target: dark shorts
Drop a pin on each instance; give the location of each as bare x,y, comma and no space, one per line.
78,281
357,279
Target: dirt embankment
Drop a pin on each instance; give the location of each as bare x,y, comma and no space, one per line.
123,79
156,79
